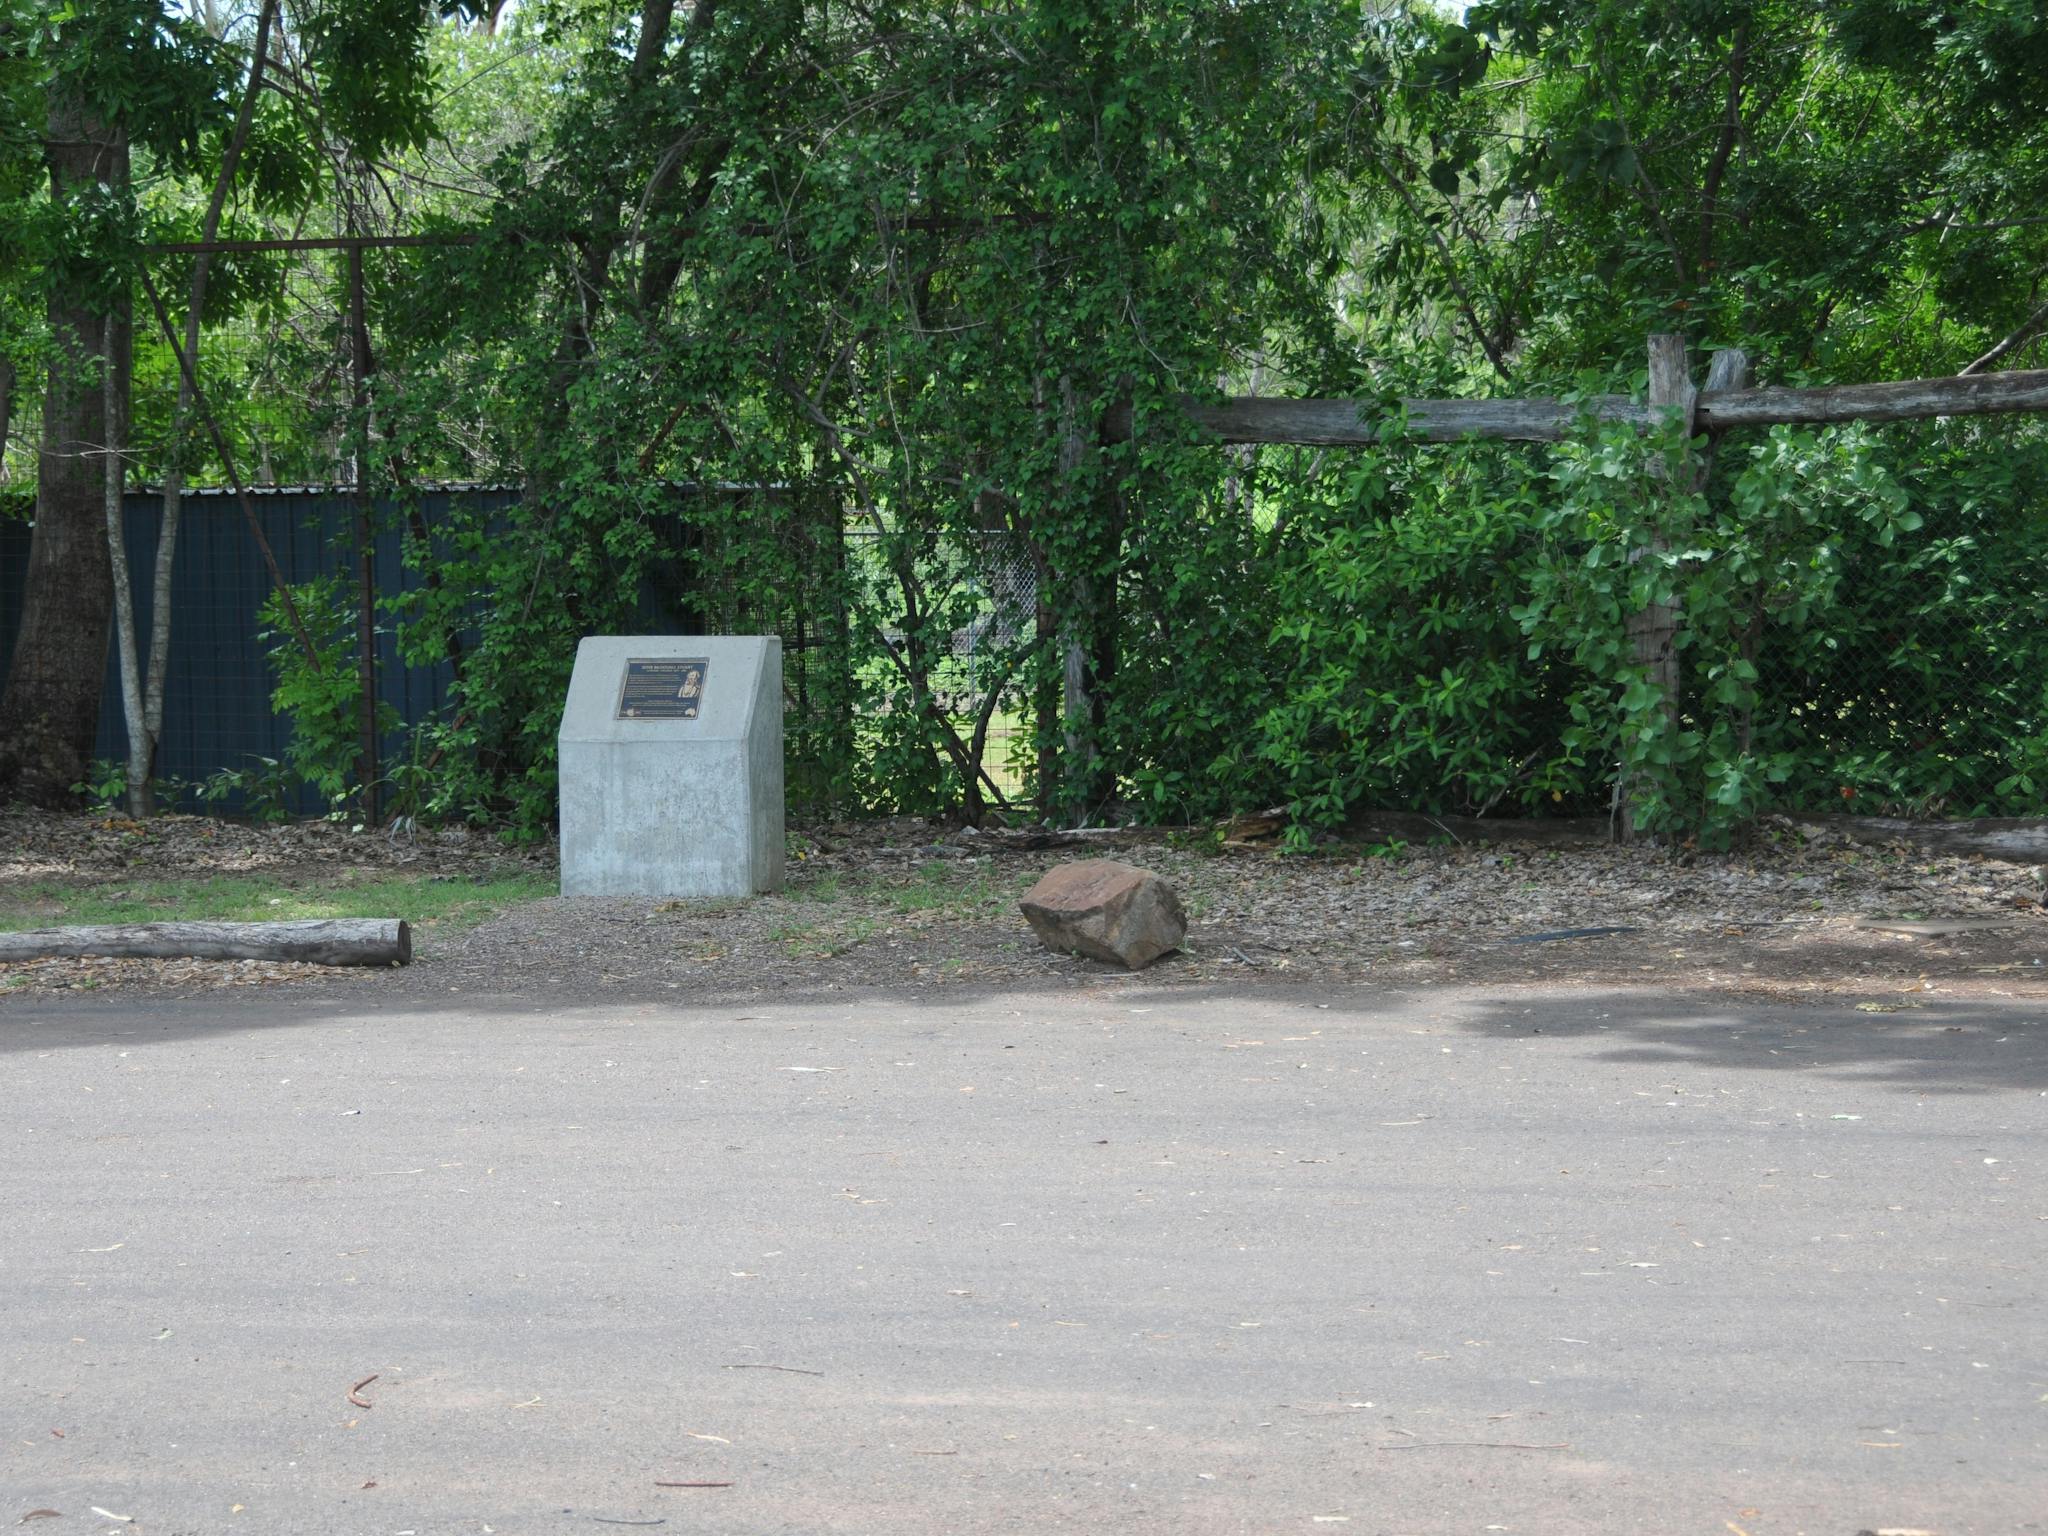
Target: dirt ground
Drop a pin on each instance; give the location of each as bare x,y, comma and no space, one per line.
909,903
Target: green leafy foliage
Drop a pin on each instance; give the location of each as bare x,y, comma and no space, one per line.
911,269
376,79
890,273
320,694
815,319
106,788
1765,552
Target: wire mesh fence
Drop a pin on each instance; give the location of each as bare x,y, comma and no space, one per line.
1919,710
987,585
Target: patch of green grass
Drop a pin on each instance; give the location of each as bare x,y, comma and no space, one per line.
939,886
935,886
244,899
700,906
827,887
821,941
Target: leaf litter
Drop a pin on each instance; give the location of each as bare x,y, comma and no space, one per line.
905,902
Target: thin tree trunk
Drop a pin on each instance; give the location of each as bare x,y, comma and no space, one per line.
590,271
367,772
6,411
1103,657
141,741
181,409
1045,691
227,464
1078,715
49,711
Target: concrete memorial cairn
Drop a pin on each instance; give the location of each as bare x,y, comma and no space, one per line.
671,766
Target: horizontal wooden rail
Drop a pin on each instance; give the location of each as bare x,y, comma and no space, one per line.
1976,394
1353,423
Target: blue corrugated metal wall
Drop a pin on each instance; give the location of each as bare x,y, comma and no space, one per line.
217,698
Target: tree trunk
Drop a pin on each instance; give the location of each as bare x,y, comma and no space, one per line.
1078,713
1108,623
139,794
367,772
49,712
1045,693
141,741
6,411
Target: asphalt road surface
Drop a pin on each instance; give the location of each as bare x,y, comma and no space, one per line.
1116,1260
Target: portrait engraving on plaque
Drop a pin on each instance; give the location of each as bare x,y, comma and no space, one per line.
670,688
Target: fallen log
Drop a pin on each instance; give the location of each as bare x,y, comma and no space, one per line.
1414,827
322,941
2016,839
1031,839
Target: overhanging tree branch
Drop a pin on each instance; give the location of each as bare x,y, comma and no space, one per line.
2028,329
227,460
1450,271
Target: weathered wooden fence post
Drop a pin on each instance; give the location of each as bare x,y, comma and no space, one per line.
1653,630
366,553
1080,601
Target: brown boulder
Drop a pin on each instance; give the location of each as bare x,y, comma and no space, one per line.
1107,910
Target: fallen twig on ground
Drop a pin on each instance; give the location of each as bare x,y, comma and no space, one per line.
1491,1445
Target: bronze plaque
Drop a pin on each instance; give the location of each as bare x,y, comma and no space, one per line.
665,689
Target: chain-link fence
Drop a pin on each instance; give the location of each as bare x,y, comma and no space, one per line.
1923,706
977,600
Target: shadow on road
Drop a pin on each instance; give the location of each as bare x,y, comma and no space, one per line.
1972,1046
1935,1044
